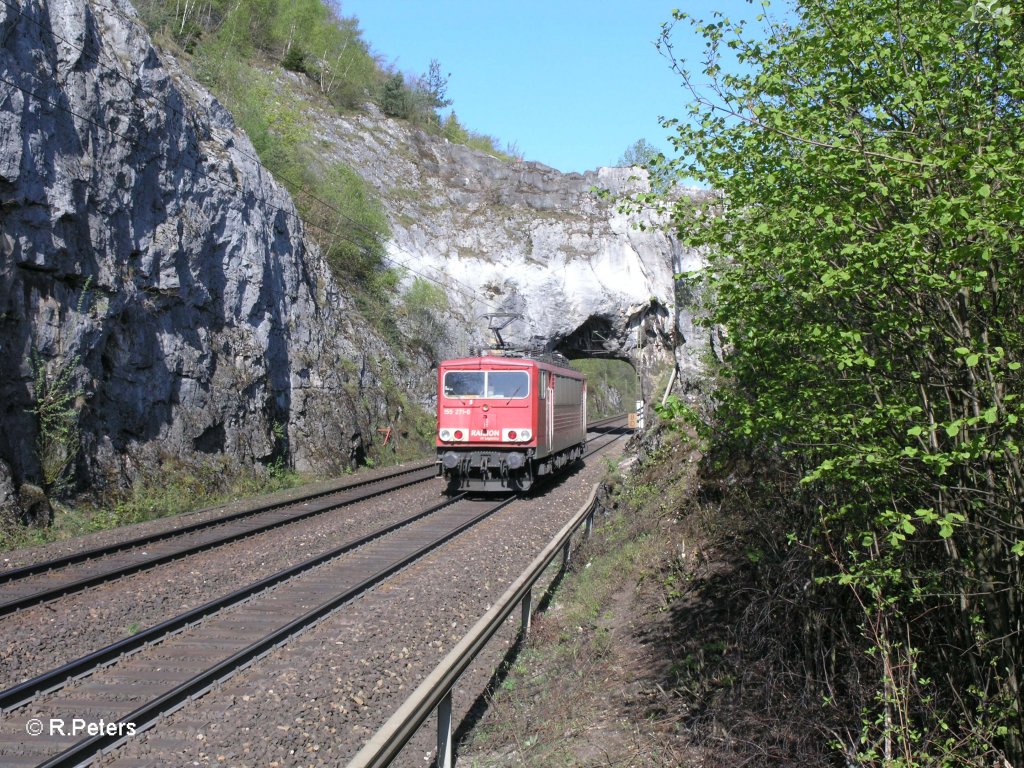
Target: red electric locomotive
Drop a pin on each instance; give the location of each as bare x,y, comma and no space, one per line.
503,422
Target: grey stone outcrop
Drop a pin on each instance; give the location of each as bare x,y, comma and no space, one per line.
144,245
524,238
145,250
36,510
10,510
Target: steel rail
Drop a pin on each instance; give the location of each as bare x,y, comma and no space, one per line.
100,578
590,451
386,744
434,693
605,421
143,717
84,751
78,585
34,569
21,694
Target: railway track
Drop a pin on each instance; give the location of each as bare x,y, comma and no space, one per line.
155,668
47,580
50,579
132,683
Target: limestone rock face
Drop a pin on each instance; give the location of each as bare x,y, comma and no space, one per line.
10,509
523,238
145,247
36,510
155,270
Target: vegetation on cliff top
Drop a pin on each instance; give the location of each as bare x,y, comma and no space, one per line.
866,264
311,38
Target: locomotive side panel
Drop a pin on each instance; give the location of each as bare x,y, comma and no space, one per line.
569,419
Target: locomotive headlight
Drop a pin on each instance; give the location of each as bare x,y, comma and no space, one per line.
516,435
445,434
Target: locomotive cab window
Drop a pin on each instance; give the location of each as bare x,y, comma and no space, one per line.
464,384
508,384
502,385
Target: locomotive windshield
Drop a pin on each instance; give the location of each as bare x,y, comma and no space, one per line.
464,384
504,385
507,384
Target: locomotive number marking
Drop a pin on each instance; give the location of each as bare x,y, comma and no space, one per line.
457,411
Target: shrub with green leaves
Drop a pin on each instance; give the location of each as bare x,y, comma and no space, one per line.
56,405
306,36
58,435
423,310
868,162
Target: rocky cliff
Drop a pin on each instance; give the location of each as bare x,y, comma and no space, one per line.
523,238
150,265
154,273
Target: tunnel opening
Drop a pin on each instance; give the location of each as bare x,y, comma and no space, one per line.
595,350
613,386
595,338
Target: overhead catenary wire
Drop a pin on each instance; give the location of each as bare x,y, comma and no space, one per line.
448,283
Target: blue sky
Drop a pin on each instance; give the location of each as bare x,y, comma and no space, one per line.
571,83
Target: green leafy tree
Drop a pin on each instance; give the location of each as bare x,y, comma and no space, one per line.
421,101
327,47
435,85
643,154
295,59
307,36
639,153
868,162
394,98
453,130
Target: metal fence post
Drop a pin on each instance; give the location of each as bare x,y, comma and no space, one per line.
527,610
444,732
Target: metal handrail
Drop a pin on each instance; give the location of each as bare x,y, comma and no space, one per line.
435,691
